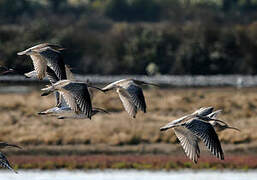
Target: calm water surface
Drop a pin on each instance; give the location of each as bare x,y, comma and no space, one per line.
129,175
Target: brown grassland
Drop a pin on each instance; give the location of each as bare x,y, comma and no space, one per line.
117,134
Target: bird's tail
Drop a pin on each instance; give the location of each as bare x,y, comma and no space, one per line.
48,90
164,128
168,126
176,122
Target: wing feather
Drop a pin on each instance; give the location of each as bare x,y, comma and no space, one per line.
137,96
189,142
40,66
81,96
54,61
69,99
206,132
127,102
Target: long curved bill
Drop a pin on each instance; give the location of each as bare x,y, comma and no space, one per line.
14,145
234,128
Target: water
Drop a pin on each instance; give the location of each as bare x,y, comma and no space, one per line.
128,175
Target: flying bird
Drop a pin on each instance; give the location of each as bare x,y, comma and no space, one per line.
65,112
131,94
190,129
61,106
46,55
75,94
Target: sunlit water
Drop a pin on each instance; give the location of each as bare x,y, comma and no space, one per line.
129,175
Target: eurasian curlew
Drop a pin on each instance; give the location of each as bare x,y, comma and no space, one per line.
190,129
46,55
75,94
130,93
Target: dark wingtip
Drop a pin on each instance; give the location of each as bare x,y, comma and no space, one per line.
222,156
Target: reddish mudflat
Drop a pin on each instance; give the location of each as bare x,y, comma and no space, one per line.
147,162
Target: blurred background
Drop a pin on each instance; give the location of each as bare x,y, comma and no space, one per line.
158,39
135,36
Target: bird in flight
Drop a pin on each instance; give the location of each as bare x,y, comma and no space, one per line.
192,128
75,94
46,55
131,94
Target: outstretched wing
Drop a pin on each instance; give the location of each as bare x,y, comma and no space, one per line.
189,142
137,96
206,132
54,61
40,66
70,101
81,95
52,77
126,100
